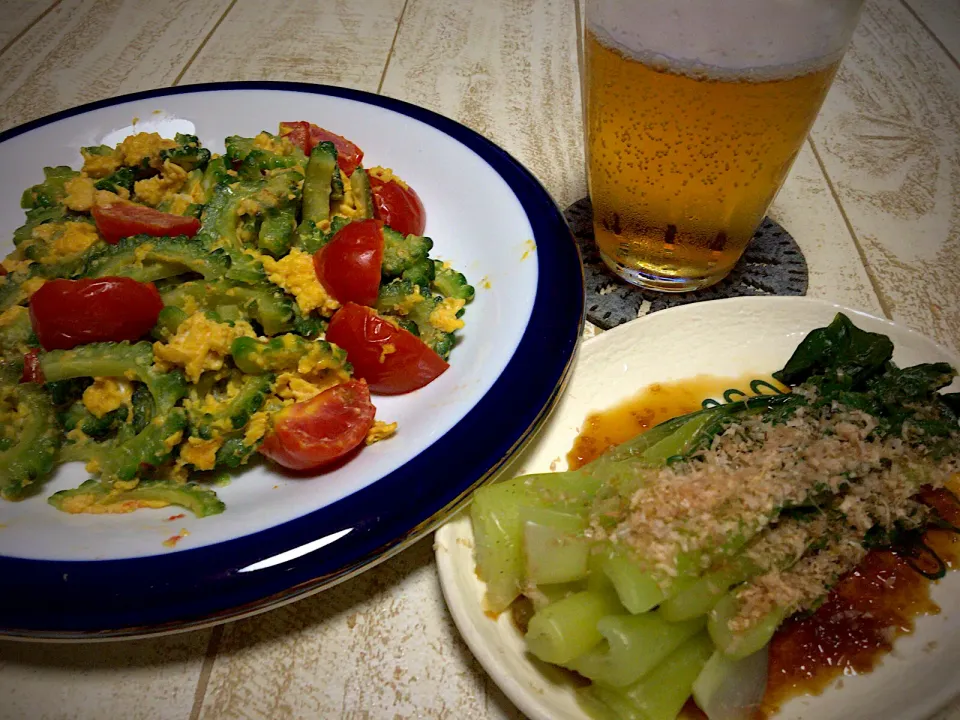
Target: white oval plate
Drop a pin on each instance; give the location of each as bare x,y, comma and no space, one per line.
728,338
282,537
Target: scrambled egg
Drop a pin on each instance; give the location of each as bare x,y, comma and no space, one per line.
170,442
295,274
47,231
278,145
200,344
64,239
212,401
82,195
179,202
348,204
248,206
90,503
256,428
76,238
106,395
155,190
444,316
12,265
202,454
215,402
12,315
406,304
316,360
142,253
300,388
144,146
386,349
30,286
386,175
380,431
12,413
100,166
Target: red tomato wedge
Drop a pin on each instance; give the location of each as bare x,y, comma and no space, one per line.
121,220
349,265
307,136
67,313
310,434
391,360
399,207
3,270
32,373
298,133
348,154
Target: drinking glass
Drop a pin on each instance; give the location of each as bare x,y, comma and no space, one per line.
695,111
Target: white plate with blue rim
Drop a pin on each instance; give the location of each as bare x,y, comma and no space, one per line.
734,338
282,538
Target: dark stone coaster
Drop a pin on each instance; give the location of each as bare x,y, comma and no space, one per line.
771,265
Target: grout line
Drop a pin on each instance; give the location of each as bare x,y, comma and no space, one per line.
393,43
29,26
209,658
203,44
930,32
881,298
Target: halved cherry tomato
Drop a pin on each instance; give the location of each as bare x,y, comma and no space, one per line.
309,434
398,206
3,271
298,133
32,373
67,313
390,359
349,265
348,154
121,220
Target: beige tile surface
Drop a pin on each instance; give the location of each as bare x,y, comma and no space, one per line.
505,68
806,208
18,15
339,43
889,137
942,19
136,680
83,51
379,646
949,713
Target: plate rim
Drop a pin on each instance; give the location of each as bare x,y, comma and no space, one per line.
58,600
447,535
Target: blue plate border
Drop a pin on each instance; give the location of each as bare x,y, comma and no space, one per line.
120,598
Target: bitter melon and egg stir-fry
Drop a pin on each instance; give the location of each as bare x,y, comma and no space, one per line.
168,314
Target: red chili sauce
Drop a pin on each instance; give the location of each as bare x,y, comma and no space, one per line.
861,617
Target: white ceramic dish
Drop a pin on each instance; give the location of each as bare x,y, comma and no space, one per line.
727,338
280,536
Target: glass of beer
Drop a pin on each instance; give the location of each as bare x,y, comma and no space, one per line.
695,111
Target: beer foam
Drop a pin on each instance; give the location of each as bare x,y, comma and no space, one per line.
772,38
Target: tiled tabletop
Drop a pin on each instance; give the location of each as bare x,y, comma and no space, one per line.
873,201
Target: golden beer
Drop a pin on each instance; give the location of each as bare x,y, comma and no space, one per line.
683,165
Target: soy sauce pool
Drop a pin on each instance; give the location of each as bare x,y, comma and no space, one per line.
865,612
862,616
651,406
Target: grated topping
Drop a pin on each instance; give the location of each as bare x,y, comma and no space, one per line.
707,507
